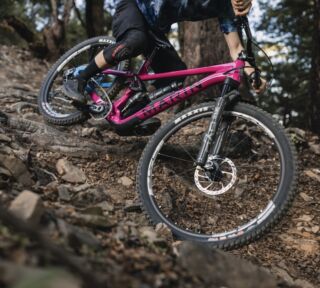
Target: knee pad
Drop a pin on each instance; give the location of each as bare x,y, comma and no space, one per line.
116,53
132,45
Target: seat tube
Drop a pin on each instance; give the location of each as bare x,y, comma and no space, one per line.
215,122
146,64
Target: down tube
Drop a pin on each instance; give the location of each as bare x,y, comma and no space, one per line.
179,96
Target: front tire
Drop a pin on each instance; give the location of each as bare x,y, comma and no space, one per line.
257,151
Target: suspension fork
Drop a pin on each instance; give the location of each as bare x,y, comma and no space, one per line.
212,136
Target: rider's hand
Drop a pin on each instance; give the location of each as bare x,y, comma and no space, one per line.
241,7
262,87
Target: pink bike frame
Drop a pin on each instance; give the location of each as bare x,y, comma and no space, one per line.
215,75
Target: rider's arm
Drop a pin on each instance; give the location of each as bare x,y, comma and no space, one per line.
235,47
230,30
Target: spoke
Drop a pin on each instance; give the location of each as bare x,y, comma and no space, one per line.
255,167
239,143
205,177
225,172
194,160
209,185
184,181
168,156
175,173
229,141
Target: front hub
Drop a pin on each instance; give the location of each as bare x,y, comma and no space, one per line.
217,177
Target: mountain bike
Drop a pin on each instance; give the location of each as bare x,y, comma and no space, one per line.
222,172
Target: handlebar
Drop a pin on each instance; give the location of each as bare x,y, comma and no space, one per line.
243,25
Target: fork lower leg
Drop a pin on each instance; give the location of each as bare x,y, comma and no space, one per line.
215,122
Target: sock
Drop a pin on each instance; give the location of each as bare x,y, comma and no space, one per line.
91,70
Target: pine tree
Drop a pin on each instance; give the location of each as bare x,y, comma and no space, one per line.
293,29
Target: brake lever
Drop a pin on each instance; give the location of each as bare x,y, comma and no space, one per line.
257,79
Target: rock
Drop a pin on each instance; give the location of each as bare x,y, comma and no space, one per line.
315,229
64,194
309,246
27,206
87,132
150,235
303,283
164,232
93,210
283,274
315,148
90,197
5,172
297,131
94,221
312,174
52,187
305,197
4,138
116,195
69,172
216,268
125,181
13,275
106,206
132,206
17,169
76,236
306,218
238,192
80,188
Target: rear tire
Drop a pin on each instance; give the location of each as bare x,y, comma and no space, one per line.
75,116
184,198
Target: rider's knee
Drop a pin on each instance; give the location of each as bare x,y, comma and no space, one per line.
132,45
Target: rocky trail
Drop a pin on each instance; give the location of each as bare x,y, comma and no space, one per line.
75,189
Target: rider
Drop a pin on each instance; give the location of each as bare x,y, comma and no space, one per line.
134,19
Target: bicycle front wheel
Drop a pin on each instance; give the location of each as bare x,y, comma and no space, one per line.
250,188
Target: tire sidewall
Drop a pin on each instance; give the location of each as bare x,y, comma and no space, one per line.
78,116
282,199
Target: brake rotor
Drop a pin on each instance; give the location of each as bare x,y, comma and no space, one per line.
210,185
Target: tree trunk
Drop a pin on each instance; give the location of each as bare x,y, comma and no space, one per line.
314,119
54,34
203,44
95,17
21,28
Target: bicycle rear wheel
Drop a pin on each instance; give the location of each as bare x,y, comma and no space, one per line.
55,107
236,203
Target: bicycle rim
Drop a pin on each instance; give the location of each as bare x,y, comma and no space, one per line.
55,102
190,202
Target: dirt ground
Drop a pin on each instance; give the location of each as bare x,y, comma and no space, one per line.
291,251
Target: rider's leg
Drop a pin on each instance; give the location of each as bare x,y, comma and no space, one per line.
132,44
130,29
167,60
